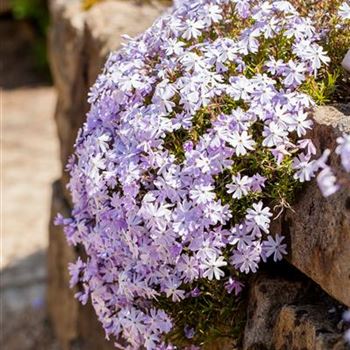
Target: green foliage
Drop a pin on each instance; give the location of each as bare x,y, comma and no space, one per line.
36,12
322,90
213,315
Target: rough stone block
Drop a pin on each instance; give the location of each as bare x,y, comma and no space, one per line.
318,228
291,313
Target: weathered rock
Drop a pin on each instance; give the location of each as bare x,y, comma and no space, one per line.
318,228
291,313
267,296
68,67
63,307
79,43
306,327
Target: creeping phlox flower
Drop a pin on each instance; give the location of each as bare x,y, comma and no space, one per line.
167,154
344,10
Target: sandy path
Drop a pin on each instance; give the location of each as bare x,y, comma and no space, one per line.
29,166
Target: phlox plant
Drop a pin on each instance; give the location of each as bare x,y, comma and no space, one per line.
195,141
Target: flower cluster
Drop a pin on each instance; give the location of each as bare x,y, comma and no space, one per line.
196,134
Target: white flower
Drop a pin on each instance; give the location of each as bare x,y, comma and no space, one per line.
240,186
316,55
193,29
212,267
241,142
344,10
327,182
343,149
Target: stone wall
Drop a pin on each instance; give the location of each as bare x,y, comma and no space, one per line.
289,307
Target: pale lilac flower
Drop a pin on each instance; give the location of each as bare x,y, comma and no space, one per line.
344,10
316,55
232,285
247,258
243,7
192,29
171,290
202,193
301,123
274,135
189,268
275,66
241,237
241,142
258,183
240,186
308,145
305,167
211,267
327,182
213,13
258,218
274,246
295,73
343,149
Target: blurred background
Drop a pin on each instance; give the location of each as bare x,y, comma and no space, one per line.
29,166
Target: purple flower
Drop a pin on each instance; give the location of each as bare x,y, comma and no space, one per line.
233,285
189,332
275,247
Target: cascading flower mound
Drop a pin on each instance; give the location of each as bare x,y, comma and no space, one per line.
195,141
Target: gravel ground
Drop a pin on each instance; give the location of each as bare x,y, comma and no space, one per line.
29,164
